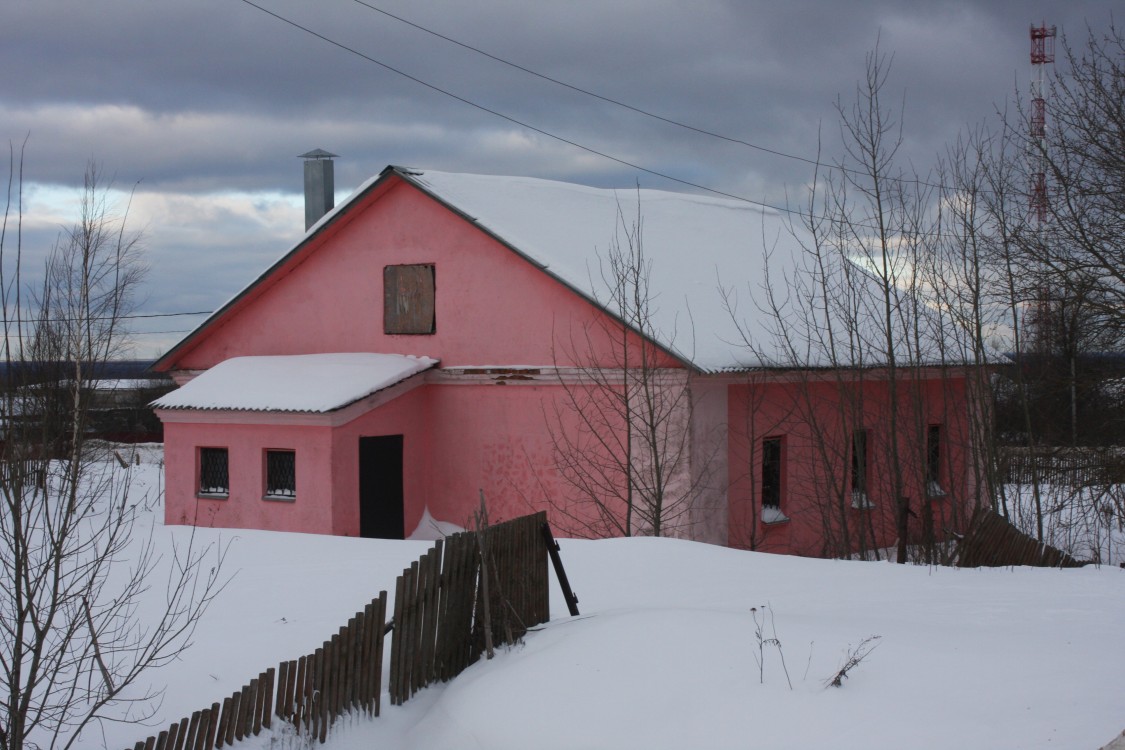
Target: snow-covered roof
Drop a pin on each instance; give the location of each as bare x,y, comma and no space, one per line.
313,383
692,243
708,260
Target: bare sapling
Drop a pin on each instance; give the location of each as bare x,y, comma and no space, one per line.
762,616
854,657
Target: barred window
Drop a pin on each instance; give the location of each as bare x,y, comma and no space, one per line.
281,475
214,472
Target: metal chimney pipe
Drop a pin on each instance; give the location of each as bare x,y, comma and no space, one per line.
319,185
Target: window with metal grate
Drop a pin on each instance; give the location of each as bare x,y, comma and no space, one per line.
214,472
281,475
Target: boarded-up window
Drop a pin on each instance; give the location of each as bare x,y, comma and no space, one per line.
408,299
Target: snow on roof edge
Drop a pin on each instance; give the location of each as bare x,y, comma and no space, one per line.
280,383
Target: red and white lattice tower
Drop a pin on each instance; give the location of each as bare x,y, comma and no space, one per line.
1042,55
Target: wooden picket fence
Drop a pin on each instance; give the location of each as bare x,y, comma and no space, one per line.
470,591
344,674
993,542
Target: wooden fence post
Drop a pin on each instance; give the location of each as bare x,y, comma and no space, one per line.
560,573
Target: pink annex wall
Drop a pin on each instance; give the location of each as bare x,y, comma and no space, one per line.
245,507
458,440
493,308
814,417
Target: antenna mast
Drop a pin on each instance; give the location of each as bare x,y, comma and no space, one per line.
1042,55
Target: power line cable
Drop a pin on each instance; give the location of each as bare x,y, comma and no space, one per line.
624,162
587,92
633,108
137,316
513,120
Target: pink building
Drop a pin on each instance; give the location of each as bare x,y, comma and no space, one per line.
436,336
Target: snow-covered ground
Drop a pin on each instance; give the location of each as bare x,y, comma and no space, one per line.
664,652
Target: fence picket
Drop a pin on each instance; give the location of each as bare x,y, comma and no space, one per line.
349,668
181,734
268,702
396,642
409,630
259,700
315,691
366,654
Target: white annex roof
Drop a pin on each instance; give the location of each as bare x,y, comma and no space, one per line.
313,383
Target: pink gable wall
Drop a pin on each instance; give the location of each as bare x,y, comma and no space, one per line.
492,306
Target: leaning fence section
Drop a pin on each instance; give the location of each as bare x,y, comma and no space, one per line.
992,541
344,674
472,590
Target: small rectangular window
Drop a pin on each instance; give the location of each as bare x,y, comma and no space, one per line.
408,299
859,472
933,461
214,472
772,472
281,475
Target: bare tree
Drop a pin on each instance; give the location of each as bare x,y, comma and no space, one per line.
1057,278
866,346
622,431
80,614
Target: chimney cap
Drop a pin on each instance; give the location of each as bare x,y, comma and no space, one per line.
318,153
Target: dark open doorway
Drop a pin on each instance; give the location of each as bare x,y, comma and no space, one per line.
380,487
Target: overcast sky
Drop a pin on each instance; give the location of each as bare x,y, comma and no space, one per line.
205,105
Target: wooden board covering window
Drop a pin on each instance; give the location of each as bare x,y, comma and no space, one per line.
408,299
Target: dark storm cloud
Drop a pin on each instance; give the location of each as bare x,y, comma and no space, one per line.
751,70
215,97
